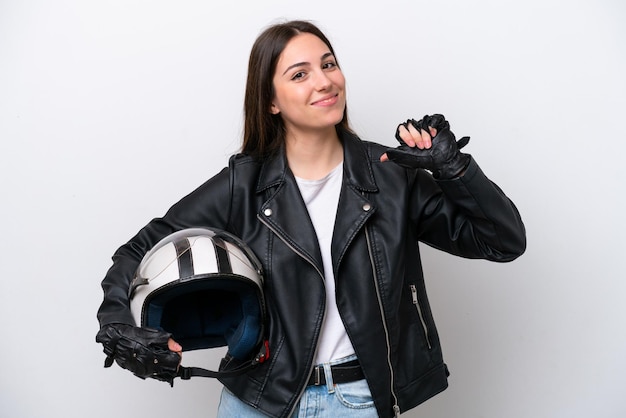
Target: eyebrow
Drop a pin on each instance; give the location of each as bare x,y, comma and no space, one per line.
299,64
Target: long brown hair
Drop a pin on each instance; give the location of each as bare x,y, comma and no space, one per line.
264,133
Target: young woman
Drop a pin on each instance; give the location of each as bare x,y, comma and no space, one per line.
336,226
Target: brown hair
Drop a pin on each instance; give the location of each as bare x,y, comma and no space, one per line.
264,133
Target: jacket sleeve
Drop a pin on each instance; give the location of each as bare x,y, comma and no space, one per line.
480,220
207,206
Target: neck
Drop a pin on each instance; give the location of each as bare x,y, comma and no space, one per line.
314,155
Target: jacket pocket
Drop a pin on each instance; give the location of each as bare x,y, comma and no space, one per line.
420,314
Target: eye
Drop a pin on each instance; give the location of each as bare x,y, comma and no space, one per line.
298,76
329,65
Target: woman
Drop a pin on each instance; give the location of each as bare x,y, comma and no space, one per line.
335,225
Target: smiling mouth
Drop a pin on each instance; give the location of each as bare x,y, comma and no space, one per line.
326,101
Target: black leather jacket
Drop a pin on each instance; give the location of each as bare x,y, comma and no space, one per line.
384,210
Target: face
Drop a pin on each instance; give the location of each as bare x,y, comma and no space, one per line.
309,86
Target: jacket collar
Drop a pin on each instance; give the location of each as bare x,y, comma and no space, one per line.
357,166
353,210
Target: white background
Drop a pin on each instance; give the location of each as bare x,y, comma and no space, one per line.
110,111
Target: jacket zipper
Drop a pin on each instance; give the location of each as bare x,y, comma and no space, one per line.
299,253
420,314
396,408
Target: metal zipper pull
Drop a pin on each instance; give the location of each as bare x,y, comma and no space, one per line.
421,316
414,294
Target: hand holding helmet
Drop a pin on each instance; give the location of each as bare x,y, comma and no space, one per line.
442,157
143,351
203,287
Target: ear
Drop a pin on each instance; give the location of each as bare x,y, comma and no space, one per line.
274,110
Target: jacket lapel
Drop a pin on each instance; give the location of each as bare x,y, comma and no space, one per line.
285,213
354,208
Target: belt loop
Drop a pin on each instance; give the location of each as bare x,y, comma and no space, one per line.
329,378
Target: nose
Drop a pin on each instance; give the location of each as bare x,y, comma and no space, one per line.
322,82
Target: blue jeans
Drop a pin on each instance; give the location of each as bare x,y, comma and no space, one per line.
343,400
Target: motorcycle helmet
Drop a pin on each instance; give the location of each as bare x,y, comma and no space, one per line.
205,287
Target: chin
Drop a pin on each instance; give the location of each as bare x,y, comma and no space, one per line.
338,117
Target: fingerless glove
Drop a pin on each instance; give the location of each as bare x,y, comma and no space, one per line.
443,158
143,351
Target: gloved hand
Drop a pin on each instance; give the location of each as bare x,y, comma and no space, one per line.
143,351
443,158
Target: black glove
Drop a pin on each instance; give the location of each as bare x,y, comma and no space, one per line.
443,158
143,351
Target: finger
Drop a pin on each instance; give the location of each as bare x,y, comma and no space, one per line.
384,157
174,346
416,135
433,131
426,139
422,138
406,135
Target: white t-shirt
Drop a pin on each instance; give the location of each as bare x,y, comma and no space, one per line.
321,198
